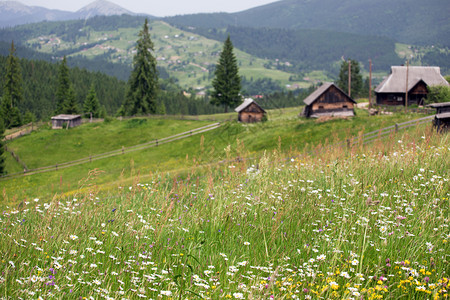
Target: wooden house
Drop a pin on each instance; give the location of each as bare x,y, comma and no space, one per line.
250,112
65,121
392,90
329,100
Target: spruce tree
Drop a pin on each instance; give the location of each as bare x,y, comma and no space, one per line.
226,83
63,87
2,149
12,95
70,105
143,81
356,78
91,104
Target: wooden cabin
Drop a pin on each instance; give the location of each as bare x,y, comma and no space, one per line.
65,121
442,122
392,90
441,107
250,112
329,100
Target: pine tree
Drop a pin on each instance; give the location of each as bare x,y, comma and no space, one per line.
91,104
143,82
356,78
70,105
226,83
9,114
2,149
62,90
12,95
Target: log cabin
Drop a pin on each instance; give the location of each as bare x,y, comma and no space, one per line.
329,100
392,90
250,112
66,121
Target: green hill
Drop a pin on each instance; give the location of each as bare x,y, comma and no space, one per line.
283,131
187,57
369,221
408,21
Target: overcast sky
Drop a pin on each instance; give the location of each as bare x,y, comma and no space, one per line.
159,8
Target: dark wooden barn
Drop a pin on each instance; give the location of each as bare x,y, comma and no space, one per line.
66,121
329,100
392,90
250,112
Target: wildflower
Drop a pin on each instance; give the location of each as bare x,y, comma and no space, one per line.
238,295
73,237
321,257
334,285
166,293
246,243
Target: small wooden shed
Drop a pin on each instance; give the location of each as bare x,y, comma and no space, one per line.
442,122
441,107
329,100
65,121
250,112
415,79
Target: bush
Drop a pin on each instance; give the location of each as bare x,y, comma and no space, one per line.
438,93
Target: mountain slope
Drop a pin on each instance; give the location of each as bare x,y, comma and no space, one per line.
411,21
101,8
14,13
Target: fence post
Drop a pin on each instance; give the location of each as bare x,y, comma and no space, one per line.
396,127
123,150
156,142
56,167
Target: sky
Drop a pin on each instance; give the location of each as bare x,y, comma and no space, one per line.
158,8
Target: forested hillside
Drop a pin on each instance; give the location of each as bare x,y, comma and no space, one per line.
307,50
40,83
409,21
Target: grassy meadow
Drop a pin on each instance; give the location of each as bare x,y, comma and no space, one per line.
285,131
369,222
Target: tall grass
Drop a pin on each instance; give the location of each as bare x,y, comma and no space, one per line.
362,222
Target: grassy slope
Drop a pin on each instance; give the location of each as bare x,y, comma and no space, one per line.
284,131
363,223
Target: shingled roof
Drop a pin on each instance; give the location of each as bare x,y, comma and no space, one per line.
320,90
396,81
245,104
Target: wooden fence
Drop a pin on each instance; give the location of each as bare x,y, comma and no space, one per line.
365,139
123,150
401,108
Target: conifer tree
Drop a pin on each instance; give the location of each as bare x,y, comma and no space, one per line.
226,83
91,104
62,90
70,105
356,78
143,81
2,149
12,95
